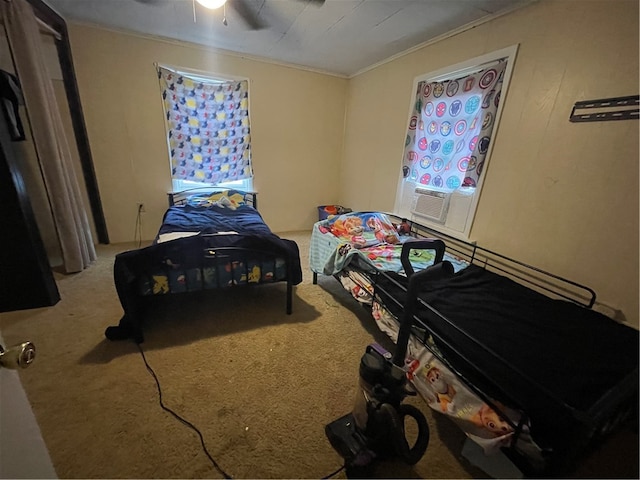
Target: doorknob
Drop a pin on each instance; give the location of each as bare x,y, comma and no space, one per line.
17,356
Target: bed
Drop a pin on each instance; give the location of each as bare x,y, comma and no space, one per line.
514,355
207,240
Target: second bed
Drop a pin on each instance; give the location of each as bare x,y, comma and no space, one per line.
514,355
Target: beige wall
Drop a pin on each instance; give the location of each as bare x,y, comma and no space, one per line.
297,122
560,195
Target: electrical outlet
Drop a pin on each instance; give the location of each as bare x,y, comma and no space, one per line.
141,208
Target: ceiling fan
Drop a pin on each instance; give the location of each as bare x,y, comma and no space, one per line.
242,7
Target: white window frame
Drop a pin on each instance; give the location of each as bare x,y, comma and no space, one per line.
456,71
246,184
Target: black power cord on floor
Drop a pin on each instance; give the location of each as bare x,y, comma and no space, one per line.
192,426
186,422
331,475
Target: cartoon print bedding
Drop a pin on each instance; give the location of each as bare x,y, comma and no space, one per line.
211,242
447,394
234,224
366,237
476,351
371,241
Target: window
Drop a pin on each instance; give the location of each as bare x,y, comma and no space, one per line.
208,132
453,117
245,185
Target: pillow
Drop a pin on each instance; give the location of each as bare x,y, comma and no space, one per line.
226,198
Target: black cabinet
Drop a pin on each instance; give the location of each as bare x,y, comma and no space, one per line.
26,279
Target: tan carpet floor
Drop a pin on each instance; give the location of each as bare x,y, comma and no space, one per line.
259,384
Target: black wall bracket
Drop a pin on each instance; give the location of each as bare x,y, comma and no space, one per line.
618,108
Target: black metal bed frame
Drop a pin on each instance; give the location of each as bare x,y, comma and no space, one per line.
251,199
210,255
221,256
180,198
474,254
613,409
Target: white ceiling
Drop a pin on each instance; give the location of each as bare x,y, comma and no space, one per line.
341,37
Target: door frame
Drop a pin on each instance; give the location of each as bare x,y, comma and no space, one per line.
54,21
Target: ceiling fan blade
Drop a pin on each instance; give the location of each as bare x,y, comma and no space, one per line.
317,2
249,16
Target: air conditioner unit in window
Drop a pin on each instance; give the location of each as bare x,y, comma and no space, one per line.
430,204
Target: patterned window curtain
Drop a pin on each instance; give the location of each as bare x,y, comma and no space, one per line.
450,129
207,126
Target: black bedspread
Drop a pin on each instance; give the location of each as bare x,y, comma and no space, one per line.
574,354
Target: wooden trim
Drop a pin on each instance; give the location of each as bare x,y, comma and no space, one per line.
57,23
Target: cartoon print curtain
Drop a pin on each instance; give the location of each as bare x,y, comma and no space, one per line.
207,126
450,129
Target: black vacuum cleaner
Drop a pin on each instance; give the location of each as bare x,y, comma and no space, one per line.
375,429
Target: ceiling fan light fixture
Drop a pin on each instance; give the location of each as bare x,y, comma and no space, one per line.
211,4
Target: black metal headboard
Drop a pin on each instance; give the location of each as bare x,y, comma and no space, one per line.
528,275
180,198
